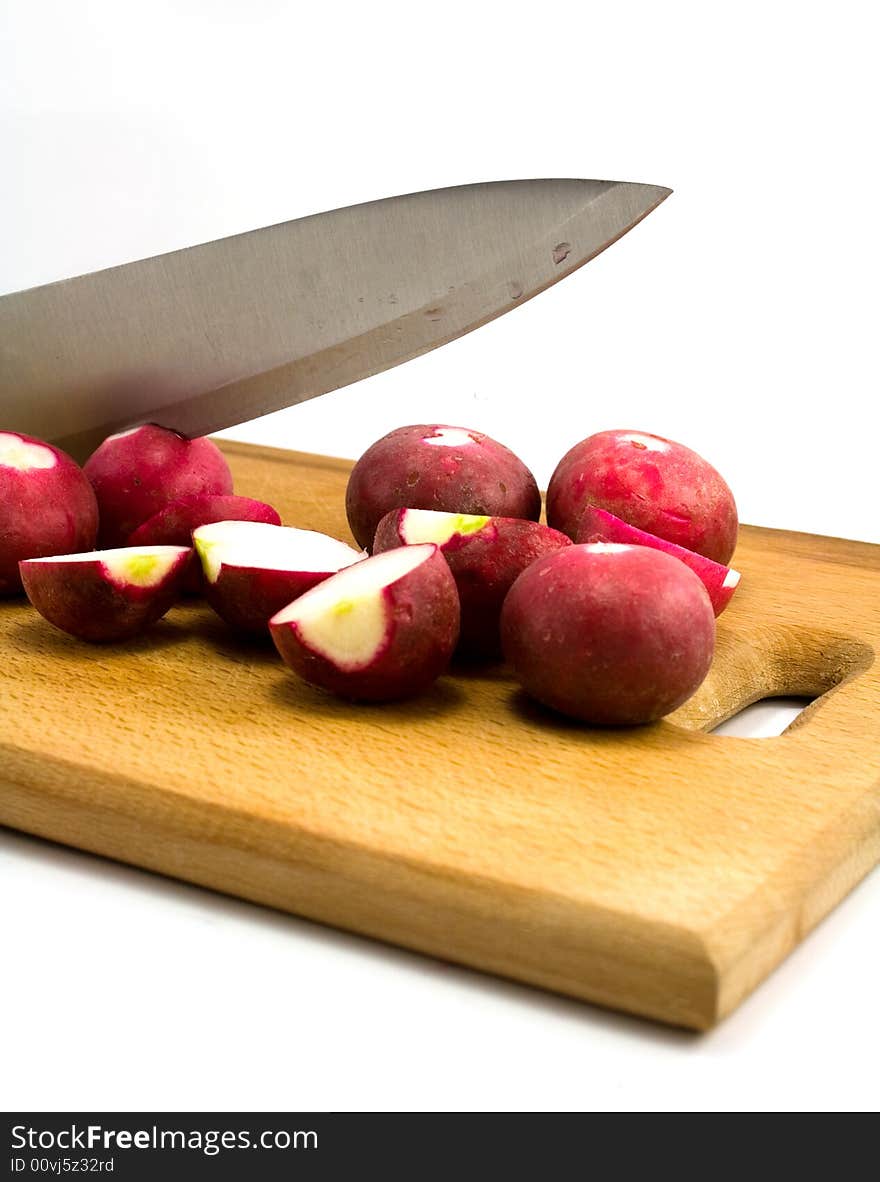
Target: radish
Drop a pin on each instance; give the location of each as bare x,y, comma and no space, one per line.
649,482
597,525
173,525
106,595
382,629
253,569
137,473
608,633
47,505
485,555
450,469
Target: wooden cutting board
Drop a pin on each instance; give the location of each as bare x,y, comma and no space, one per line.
659,869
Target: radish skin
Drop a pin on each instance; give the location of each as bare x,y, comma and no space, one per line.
652,483
47,505
607,633
136,473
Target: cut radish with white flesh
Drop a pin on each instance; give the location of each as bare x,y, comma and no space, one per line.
429,525
270,547
485,555
174,525
345,622
103,595
384,628
597,525
253,569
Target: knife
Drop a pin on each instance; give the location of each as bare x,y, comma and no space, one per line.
214,335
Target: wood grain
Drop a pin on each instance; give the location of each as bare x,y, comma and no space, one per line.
660,870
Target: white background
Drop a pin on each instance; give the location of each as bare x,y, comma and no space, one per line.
740,318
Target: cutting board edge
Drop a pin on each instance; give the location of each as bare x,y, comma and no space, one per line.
667,975
706,971
803,890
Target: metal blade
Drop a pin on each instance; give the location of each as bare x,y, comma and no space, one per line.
211,336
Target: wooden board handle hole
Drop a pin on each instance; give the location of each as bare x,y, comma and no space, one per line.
764,719
796,664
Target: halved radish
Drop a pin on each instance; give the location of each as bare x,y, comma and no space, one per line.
485,555
384,628
598,525
106,595
253,569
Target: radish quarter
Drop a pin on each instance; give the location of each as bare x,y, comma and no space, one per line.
106,595
485,555
253,569
174,525
596,525
382,629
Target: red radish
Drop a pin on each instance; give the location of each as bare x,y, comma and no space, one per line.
430,466
173,525
656,485
137,473
106,595
47,505
607,633
485,555
253,569
382,629
597,525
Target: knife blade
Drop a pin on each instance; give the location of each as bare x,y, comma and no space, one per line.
213,335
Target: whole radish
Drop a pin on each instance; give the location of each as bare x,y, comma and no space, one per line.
137,473
47,505
654,484
431,466
607,633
